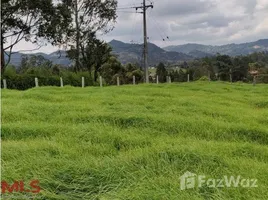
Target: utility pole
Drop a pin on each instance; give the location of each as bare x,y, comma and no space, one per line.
144,7
77,53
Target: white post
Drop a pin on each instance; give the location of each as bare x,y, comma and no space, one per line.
5,83
157,80
169,78
100,81
188,77
134,80
61,82
36,82
118,81
254,81
83,82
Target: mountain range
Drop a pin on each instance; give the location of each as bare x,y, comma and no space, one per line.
133,53
198,50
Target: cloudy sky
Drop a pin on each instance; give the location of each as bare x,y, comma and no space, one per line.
213,22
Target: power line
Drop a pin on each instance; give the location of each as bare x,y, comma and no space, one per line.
127,12
163,34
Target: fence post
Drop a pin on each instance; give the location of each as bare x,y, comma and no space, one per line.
134,80
61,82
5,83
188,78
118,81
100,81
254,81
83,82
36,82
169,78
157,80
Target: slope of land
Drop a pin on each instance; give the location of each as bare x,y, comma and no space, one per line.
133,53
134,142
198,50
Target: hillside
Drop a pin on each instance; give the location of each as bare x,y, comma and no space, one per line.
134,53
230,49
135,142
58,57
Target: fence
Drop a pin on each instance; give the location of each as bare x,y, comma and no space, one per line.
59,81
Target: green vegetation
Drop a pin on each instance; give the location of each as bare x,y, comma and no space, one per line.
134,142
224,68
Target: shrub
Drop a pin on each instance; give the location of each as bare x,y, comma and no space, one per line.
204,78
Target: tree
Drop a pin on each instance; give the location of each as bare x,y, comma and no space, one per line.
133,70
91,16
102,53
93,54
35,21
161,72
224,65
111,70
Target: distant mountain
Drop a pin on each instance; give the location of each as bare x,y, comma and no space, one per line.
199,54
58,57
197,50
134,53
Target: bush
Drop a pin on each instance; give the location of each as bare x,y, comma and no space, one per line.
27,81
204,78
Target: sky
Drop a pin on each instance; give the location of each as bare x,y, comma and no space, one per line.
210,22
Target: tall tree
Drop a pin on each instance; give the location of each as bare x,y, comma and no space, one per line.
35,21
92,54
161,72
91,16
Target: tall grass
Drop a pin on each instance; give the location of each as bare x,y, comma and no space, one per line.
134,142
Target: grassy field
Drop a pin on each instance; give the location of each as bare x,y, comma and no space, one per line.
134,142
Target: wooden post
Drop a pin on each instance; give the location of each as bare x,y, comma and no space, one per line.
61,82
5,83
188,78
169,79
83,82
100,81
36,82
157,80
134,80
118,81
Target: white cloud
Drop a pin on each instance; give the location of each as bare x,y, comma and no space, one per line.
184,21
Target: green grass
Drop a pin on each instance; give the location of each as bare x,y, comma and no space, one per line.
134,142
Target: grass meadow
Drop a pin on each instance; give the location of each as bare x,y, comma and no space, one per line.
134,142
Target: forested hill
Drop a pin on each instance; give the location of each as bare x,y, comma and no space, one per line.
229,49
134,53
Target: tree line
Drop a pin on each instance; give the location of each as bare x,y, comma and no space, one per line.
219,67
